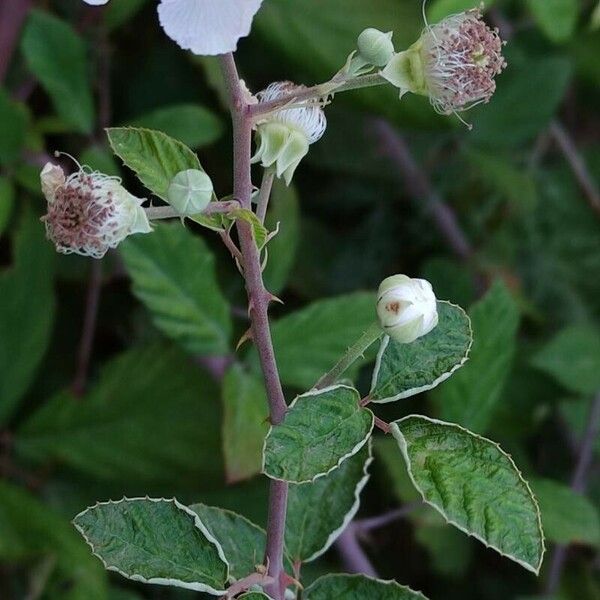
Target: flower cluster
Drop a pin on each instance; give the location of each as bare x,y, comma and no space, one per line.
89,212
454,63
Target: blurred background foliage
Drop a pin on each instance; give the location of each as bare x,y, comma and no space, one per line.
103,394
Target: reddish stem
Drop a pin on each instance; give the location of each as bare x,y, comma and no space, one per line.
12,17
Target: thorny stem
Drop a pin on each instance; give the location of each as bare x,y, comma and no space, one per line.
315,92
258,299
578,485
366,340
264,194
168,212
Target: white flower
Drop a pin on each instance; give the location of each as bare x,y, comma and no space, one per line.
206,27
285,135
89,212
407,308
454,63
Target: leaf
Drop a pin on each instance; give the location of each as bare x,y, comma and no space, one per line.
155,541
556,18
173,274
285,213
118,13
320,430
7,201
528,96
474,485
149,419
403,370
245,423
567,517
470,397
358,587
26,312
573,359
310,341
331,502
29,530
57,56
259,231
193,124
254,596
154,156
13,121
242,541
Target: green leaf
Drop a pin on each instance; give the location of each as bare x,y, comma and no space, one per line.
118,13
173,273
474,485
310,341
259,231
245,423
13,121
358,587
151,419
440,9
7,201
154,156
320,430
573,359
331,501
194,125
528,96
403,370
242,541
26,312
567,517
556,18
155,541
57,56
30,530
470,397
285,213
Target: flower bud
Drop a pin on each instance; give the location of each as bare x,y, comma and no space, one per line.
89,212
284,137
454,63
375,47
190,192
407,308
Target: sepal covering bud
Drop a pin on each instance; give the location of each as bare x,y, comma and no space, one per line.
190,192
375,47
406,308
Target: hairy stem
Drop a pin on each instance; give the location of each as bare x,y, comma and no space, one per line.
168,212
356,351
258,299
265,193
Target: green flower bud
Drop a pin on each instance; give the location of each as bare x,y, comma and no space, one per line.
375,47
407,308
190,192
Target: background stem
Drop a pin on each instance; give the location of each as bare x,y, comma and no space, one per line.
258,299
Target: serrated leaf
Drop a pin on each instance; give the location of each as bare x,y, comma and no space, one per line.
155,541
26,312
320,430
474,485
245,423
259,231
358,587
572,357
173,273
332,501
154,156
567,517
242,541
149,420
193,124
57,56
30,530
556,18
403,370
310,341
13,120
470,397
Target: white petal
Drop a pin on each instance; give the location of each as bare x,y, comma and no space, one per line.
97,2
207,27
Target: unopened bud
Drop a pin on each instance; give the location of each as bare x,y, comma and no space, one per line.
407,308
375,47
190,192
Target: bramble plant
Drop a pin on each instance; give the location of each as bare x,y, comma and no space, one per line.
317,451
